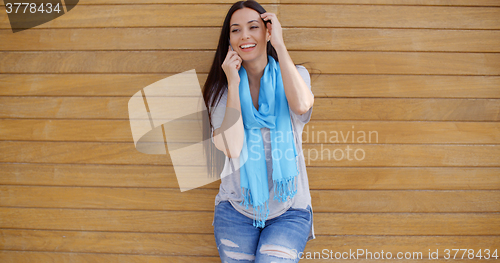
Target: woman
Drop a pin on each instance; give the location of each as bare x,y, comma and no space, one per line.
259,106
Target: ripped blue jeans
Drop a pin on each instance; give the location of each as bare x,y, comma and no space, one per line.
281,240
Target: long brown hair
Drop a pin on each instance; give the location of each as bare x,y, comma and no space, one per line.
216,83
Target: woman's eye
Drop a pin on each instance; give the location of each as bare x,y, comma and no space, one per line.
234,30
254,27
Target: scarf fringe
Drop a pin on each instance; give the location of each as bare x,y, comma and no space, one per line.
247,197
285,188
260,212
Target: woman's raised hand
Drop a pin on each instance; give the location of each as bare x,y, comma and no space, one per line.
231,65
274,29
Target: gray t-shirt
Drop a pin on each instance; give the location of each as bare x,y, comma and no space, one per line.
230,189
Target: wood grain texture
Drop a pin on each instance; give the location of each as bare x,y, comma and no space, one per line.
324,178
394,2
352,2
394,224
375,201
30,256
373,109
324,62
359,16
139,15
187,38
373,16
331,155
380,132
204,245
323,85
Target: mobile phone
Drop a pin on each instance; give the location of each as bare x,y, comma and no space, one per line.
229,41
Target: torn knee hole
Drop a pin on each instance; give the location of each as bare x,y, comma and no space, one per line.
239,255
228,243
278,251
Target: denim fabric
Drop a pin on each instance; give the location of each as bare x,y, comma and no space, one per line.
281,239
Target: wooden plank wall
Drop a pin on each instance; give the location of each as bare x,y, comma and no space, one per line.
421,75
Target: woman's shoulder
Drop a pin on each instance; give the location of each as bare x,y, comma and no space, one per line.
223,98
301,68
304,73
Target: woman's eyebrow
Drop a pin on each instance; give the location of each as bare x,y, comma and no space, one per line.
251,21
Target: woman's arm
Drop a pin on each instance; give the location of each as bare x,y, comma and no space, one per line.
297,93
229,136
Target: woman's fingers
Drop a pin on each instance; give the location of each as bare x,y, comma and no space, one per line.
236,62
233,60
234,56
269,16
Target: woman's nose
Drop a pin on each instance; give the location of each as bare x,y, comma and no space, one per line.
244,34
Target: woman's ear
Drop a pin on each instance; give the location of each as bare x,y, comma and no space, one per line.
268,33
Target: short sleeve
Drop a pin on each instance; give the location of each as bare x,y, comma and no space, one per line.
218,113
306,117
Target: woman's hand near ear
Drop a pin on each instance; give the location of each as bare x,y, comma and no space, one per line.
274,29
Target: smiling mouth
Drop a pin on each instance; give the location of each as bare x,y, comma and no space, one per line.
248,46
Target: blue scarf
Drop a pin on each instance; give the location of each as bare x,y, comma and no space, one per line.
273,113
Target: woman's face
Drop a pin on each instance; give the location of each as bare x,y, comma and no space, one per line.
248,34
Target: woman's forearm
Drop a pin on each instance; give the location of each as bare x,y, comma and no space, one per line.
230,141
297,93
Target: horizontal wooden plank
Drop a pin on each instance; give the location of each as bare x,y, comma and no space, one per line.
361,178
375,201
97,2
373,16
91,175
350,39
139,15
32,256
377,109
400,132
204,245
406,109
336,39
328,155
326,85
352,2
421,63
401,155
323,85
386,132
387,2
109,242
88,84
443,224
426,178
107,39
338,62
105,62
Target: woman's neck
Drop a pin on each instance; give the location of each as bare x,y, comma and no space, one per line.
255,69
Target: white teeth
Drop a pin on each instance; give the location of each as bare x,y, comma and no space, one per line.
247,46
